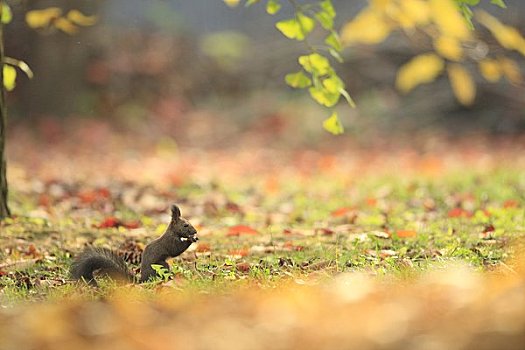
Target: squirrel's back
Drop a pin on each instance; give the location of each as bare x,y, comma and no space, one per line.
102,260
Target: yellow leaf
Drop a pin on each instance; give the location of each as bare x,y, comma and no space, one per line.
380,5
333,125
508,37
462,84
409,13
417,10
421,69
368,27
65,25
324,97
9,77
81,19
490,70
232,3
511,70
6,14
400,17
449,48
42,18
448,19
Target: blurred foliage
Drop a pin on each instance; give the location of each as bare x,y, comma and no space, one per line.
447,24
48,19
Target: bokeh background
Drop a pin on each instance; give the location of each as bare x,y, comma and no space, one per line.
203,73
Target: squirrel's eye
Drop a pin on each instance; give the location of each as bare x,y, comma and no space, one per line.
186,224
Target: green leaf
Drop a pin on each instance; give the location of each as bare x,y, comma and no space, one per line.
9,77
333,125
290,29
334,41
326,14
273,6
315,64
327,7
333,84
298,80
326,21
468,14
306,23
296,28
499,3
7,15
324,97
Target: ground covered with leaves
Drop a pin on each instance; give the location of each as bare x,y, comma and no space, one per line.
289,238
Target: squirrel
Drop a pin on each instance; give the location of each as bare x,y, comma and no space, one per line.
179,235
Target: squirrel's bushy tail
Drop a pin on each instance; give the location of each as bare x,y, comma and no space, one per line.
101,259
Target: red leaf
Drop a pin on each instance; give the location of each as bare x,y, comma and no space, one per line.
243,267
130,225
459,213
241,230
341,212
510,203
44,200
113,222
203,248
32,251
233,207
90,196
103,193
372,202
109,222
406,233
87,197
289,245
239,252
489,228
325,231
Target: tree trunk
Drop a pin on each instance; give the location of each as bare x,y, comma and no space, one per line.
4,209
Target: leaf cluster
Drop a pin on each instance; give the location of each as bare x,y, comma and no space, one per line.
47,19
448,25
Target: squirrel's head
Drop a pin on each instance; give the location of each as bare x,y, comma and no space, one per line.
184,230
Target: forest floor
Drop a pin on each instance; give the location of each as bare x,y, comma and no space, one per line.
411,238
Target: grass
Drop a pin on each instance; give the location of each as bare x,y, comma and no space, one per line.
309,228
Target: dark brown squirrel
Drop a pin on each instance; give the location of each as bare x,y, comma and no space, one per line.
179,235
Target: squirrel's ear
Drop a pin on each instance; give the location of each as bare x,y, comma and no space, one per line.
175,212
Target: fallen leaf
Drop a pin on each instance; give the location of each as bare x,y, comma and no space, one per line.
130,225
510,203
406,233
290,246
203,248
459,213
243,267
238,253
489,228
239,230
341,212
109,222
113,222
324,231
372,202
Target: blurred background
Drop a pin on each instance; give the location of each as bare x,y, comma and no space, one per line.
203,73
